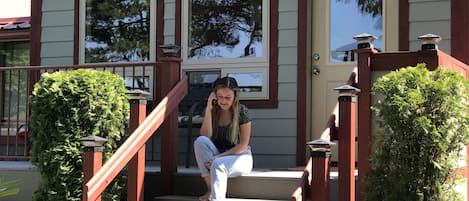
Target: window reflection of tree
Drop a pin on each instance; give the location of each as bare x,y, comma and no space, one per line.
13,84
373,7
219,23
117,30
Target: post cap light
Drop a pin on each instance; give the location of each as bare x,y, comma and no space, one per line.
429,41
364,40
320,145
92,141
170,50
138,94
347,90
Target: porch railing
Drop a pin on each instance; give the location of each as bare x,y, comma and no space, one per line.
371,63
16,85
131,150
314,183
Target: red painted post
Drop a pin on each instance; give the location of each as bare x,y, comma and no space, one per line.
136,172
168,76
364,116
92,160
467,169
321,155
347,112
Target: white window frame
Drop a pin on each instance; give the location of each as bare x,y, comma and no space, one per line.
231,65
82,27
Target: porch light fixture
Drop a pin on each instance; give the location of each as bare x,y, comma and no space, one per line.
429,41
364,40
320,145
138,94
347,90
170,50
92,141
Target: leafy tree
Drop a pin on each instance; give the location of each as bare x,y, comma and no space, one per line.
117,30
66,106
219,23
424,126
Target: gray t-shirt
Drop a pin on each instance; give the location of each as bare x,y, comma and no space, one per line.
221,139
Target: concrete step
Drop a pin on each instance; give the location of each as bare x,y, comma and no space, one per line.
259,184
194,198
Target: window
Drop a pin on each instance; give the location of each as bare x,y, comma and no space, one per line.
13,91
342,30
117,31
231,37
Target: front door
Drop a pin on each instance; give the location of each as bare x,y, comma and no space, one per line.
334,23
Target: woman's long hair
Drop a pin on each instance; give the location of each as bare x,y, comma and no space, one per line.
230,83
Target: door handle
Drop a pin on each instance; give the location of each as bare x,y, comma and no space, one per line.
315,70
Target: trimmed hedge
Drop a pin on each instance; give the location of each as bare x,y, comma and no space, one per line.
424,121
66,106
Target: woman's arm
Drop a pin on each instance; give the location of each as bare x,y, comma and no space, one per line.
206,128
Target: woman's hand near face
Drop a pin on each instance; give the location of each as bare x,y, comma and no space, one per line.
210,99
206,128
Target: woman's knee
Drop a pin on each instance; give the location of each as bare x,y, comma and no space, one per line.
201,140
218,165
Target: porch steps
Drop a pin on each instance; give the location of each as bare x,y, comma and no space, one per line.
195,198
260,185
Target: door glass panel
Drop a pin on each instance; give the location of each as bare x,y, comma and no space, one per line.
117,31
225,29
349,18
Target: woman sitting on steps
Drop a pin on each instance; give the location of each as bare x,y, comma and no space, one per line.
222,150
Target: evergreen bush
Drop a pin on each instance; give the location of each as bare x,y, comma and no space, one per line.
424,127
66,106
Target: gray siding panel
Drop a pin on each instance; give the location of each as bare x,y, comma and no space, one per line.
288,40
57,49
56,34
57,5
287,55
287,6
57,61
288,90
274,161
287,20
430,10
288,73
286,110
274,128
169,22
270,145
430,16
59,18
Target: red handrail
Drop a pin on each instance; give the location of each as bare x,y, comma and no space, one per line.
136,140
304,184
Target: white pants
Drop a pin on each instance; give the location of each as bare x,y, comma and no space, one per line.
222,168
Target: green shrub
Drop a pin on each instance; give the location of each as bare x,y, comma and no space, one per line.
424,126
66,106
